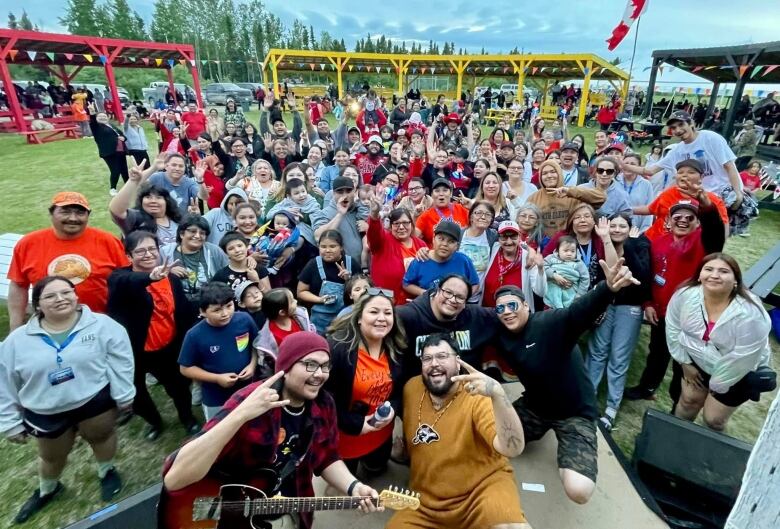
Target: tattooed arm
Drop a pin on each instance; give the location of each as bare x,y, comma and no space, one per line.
509,440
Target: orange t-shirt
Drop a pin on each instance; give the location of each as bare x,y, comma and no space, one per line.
162,326
669,197
373,386
429,218
87,261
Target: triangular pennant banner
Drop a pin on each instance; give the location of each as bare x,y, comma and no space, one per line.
350,67
555,70
158,62
103,59
506,69
387,68
88,57
534,70
742,69
146,60
69,56
770,69
215,62
423,70
301,65
661,69
170,63
710,67
204,62
32,54
333,67
414,70
311,65
378,69
697,69
13,54
433,70
587,70
50,55
725,67
542,69
322,66
756,70
451,70
192,62
131,59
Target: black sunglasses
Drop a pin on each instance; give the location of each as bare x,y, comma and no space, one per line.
375,291
608,172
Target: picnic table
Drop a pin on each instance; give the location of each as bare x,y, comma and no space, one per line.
39,137
763,277
498,114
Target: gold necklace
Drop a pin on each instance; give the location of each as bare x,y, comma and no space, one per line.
426,433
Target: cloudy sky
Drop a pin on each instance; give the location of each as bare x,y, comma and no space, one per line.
571,26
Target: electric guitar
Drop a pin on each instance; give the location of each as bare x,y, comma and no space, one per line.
212,504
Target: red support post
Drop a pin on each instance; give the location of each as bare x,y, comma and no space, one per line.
115,104
171,86
10,92
196,86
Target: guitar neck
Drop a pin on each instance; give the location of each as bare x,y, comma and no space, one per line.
293,505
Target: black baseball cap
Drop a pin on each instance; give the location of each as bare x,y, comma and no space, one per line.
679,115
447,227
570,146
342,182
463,152
692,163
441,182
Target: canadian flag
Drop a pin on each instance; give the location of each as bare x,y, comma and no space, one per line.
634,10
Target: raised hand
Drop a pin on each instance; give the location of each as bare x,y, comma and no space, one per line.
343,272
602,229
159,161
267,141
262,399
199,170
532,257
162,271
634,232
183,130
292,148
268,101
618,276
476,383
193,207
342,206
136,171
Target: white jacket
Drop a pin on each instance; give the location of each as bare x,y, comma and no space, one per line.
533,281
99,355
738,344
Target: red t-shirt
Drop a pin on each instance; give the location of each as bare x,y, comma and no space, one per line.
217,186
429,218
750,182
162,327
196,123
662,204
502,272
87,261
280,334
554,146
673,262
390,259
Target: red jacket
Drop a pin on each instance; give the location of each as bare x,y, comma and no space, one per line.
367,164
387,260
606,115
367,131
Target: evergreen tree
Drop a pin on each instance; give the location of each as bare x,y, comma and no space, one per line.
125,23
342,45
82,17
12,23
25,22
312,38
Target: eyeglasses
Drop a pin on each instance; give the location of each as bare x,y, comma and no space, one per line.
140,252
64,294
511,235
512,306
482,214
375,291
608,172
416,188
527,216
452,296
195,231
439,357
312,367
401,224
515,168
678,218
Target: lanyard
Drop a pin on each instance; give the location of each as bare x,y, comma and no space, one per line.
441,215
630,188
567,177
59,348
586,255
504,269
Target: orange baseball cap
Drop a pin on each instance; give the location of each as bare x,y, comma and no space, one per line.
70,198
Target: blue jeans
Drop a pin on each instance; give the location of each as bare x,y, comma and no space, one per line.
611,345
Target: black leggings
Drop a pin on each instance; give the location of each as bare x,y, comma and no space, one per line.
140,156
164,366
375,462
117,164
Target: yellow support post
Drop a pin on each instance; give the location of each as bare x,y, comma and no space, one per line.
545,86
625,91
585,94
521,79
275,77
460,67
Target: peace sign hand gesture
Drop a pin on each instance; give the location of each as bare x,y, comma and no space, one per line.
136,171
476,383
193,207
343,272
261,400
162,271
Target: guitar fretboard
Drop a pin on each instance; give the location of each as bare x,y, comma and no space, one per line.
289,505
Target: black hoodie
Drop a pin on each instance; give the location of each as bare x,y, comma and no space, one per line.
542,355
474,328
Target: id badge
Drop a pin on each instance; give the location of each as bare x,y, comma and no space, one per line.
61,375
659,280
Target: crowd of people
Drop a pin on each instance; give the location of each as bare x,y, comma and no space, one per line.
306,287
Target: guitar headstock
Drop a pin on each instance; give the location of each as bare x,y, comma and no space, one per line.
399,499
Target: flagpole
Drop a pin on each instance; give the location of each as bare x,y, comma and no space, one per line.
633,54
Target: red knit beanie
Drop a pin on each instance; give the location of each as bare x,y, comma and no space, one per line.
298,345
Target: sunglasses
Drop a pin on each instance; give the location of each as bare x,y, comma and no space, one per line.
608,172
512,306
688,218
374,291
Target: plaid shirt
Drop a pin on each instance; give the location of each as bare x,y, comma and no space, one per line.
254,445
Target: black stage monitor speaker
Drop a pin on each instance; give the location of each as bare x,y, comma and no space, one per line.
136,512
693,473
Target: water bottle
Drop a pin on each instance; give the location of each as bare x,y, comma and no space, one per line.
381,413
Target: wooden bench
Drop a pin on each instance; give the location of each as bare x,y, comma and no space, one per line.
497,114
38,137
763,277
7,243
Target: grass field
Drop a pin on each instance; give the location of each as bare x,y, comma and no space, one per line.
31,175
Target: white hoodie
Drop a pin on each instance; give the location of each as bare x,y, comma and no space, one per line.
99,355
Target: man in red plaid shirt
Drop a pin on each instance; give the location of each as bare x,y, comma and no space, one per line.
292,431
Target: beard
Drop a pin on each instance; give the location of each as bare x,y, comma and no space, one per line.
438,389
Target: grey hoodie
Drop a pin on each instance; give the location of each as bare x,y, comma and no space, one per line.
100,355
220,221
353,242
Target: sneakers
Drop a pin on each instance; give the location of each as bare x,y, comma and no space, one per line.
110,485
744,234
192,428
35,503
606,422
152,432
639,393
112,192
150,380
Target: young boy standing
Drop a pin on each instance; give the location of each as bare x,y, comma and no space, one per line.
219,351
240,266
